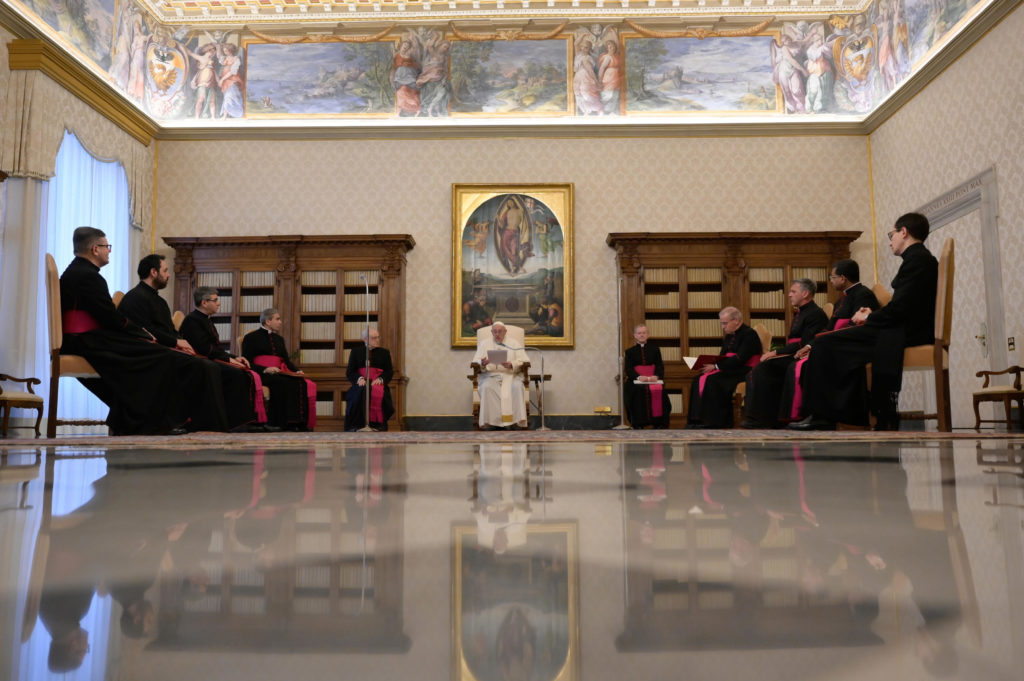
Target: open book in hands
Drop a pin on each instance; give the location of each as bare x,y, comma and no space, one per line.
698,363
497,357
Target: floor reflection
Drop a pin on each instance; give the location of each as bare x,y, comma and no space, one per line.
506,561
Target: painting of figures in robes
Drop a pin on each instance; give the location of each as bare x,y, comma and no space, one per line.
319,79
86,24
514,605
513,261
510,78
689,75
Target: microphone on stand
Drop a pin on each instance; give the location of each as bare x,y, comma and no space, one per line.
366,340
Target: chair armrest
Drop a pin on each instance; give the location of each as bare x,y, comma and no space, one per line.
27,381
1015,370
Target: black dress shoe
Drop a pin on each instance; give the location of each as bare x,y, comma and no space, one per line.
696,426
754,424
811,423
267,428
177,431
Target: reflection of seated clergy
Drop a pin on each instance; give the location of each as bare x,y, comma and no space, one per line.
501,507
502,403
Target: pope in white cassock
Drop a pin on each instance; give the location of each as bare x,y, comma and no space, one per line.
502,403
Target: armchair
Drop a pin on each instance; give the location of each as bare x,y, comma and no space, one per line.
17,399
515,338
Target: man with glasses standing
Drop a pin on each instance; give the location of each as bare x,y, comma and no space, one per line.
149,388
830,378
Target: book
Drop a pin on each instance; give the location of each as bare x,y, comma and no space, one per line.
497,356
702,361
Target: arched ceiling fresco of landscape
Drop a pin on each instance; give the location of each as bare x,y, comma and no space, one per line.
244,62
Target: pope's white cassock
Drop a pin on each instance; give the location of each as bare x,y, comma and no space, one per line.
502,403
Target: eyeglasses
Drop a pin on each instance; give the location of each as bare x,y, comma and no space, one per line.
212,300
109,247
891,233
835,276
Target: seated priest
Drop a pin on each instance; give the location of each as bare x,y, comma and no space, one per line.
644,396
292,395
829,383
242,387
845,278
149,388
381,407
502,402
766,381
711,392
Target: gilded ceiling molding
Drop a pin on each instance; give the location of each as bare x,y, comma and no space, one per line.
701,33
506,34
321,38
39,55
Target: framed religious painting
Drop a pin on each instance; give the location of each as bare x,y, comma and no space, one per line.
515,601
512,261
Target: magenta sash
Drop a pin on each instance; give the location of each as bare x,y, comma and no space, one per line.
277,362
78,321
261,410
752,362
655,394
842,323
793,340
798,393
376,395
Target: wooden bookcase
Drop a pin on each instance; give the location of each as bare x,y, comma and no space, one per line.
319,283
676,283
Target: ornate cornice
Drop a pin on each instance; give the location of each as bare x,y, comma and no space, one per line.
40,55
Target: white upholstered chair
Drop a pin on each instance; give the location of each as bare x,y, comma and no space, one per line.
515,337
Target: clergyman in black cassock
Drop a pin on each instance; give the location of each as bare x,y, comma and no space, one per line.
646,405
289,394
148,387
766,380
382,408
855,295
829,378
711,403
243,394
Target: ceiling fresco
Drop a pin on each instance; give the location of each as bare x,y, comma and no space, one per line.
247,62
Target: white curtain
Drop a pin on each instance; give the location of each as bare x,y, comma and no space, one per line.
84,191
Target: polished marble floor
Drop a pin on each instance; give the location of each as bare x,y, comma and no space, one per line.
507,561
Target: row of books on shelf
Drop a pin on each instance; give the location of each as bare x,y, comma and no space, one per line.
711,300
354,277
353,330
263,279
318,331
766,275
817,274
319,302
322,356
662,301
223,330
694,275
766,300
704,327
250,304
215,279
662,328
360,301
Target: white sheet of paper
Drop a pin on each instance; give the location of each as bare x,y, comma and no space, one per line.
639,382
497,356
690,361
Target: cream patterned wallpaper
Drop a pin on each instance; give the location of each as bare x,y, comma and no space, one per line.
967,120
728,184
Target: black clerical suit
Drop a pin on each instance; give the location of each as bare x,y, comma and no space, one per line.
637,398
713,409
830,377
852,299
149,388
766,380
144,306
239,386
289,403
355,409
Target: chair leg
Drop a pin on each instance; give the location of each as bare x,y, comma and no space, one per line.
977,415
39,418
942,406
51,418
7,416
1008,408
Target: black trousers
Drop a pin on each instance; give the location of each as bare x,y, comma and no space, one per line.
714,407
765,385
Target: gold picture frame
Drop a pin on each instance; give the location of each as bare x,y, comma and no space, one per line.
530,594
512,261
